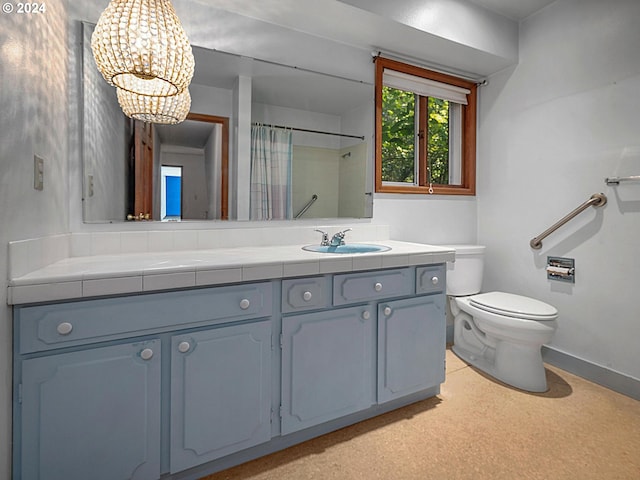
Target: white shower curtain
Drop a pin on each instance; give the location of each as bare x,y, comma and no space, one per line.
271,156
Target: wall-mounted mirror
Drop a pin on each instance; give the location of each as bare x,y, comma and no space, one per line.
329,120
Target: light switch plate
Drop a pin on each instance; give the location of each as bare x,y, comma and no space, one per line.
38,172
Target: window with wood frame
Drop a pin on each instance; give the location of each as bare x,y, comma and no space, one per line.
425,131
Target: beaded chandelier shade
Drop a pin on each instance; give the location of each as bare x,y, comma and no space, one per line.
168,110
141,47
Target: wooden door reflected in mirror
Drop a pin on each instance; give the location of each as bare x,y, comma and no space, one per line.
200,145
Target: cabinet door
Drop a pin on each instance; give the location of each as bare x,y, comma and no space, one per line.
328,366
220,392
92,414
411,345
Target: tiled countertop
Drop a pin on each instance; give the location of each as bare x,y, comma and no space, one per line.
82,277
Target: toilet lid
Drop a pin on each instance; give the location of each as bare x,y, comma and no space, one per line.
512,305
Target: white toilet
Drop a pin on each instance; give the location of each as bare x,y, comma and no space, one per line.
499,333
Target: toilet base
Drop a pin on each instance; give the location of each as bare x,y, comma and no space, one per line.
517,365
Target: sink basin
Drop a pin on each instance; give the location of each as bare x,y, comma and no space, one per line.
348,248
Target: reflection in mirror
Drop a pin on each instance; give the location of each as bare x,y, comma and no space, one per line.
123,159
198,149
324,120
330,120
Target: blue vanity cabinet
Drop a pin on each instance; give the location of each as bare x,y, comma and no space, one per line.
183,383
411,345
91,414
328,366
220,392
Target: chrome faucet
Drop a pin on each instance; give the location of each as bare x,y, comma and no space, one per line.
338,238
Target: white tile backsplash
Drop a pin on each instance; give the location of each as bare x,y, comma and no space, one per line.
161,241
185,240
80,245
32,254
18,258
134,242
56,248
207,239
105,243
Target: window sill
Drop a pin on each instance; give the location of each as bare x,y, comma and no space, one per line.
424,190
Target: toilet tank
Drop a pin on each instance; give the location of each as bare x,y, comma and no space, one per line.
464,276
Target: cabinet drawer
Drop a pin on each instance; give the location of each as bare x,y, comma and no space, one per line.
46,327
304,294
431,279
366,286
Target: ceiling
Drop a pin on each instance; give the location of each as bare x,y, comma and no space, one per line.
513,9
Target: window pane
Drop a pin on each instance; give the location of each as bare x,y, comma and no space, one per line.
438,140
398,135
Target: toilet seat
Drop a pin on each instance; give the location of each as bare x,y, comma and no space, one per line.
511,305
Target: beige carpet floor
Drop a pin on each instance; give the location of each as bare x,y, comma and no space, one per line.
477,428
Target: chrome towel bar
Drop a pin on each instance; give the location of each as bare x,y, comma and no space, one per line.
596,200
617,180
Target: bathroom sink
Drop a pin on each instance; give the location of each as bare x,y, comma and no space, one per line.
348,248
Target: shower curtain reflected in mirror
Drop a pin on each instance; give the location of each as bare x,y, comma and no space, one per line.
271,158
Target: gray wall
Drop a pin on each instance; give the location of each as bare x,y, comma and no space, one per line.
551,129
33,120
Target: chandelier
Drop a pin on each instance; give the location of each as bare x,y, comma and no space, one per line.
168,110
140,47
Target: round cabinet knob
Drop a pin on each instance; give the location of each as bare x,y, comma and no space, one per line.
64,328
146,354
184,347
435,280
307,296
387,311
378,287
366,315
244,303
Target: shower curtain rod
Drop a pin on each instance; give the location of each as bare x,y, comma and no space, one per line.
361,137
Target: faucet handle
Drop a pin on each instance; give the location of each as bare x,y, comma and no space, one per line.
325,237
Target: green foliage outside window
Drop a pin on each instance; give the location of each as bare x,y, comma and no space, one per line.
398,137
438,146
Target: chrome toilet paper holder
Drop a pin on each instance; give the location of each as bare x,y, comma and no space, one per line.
562,269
